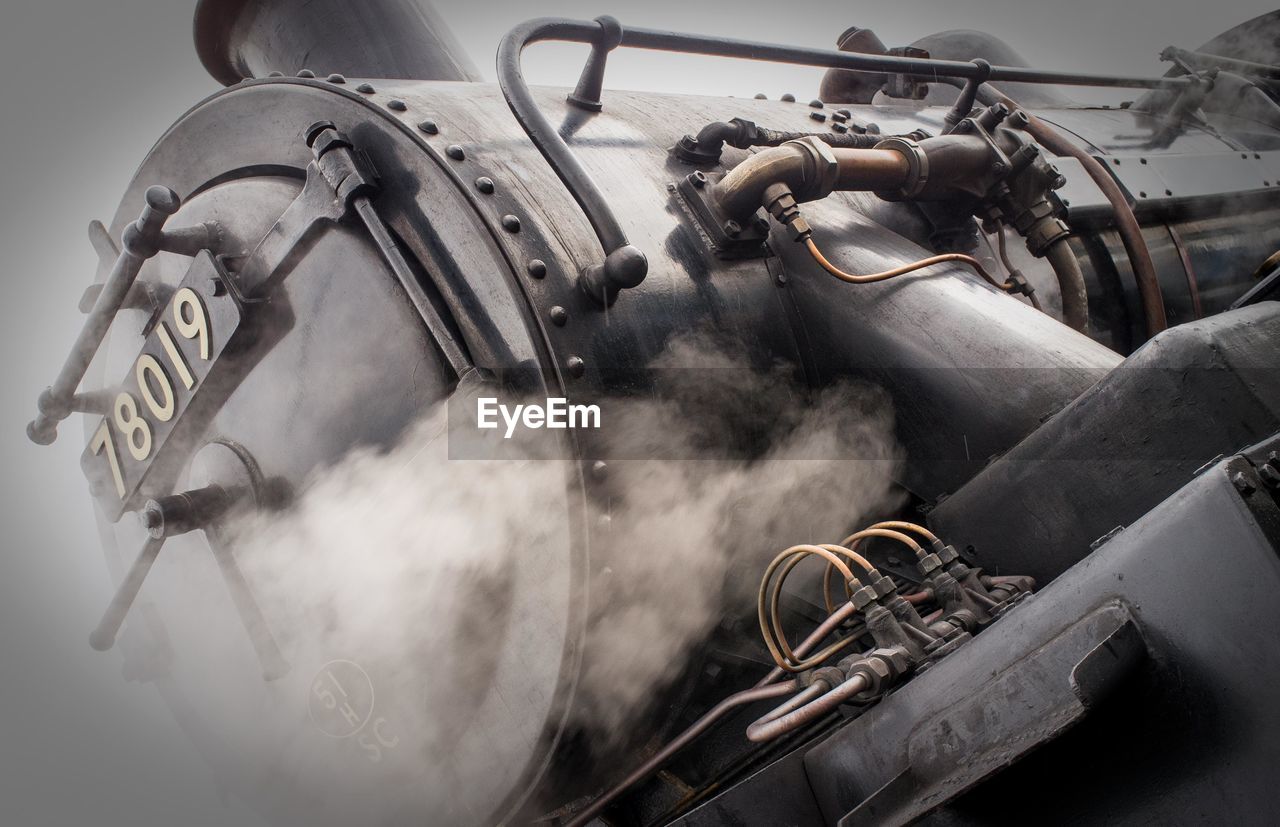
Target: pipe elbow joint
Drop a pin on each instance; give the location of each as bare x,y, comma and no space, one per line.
805,168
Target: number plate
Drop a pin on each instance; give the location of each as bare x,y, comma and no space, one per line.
191,332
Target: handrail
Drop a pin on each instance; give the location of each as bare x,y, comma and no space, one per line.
624,265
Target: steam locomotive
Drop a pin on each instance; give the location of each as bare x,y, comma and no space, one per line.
1071,309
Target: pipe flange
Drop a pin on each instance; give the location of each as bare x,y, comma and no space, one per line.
822,163
917,167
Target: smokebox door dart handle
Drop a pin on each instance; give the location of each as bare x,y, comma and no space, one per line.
104,636
180,514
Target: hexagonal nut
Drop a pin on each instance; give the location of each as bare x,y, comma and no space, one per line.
884,586
863,597
929,564
948,553
895,658
829,675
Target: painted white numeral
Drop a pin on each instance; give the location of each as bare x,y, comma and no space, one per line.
150,372
193,324
102,439
136,431
176,358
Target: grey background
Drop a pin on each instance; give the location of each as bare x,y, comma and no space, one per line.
86,86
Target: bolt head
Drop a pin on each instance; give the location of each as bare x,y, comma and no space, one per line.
575,366
732,228
559,316
537,268
1243,484
699,179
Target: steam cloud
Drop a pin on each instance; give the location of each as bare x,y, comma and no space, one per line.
409,563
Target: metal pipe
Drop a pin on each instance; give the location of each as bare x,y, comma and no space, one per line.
624,265
805,173
825,628
1202,60
757,693
1127,226
766,729
1075,297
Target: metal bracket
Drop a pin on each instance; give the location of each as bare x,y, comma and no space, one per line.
727,238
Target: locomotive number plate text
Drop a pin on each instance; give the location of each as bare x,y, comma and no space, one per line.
187,338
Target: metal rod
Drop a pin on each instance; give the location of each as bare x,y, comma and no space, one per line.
104,636
1202,60
140,241
457,358
264,644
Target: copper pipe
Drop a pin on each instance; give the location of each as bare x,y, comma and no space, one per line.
825,628
876,531
904,269
766,729
916,598
766,606
1003,249
757,693
1135,245
796,166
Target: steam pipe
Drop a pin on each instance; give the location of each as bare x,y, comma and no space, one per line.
625,265
241,39
757,693
773,725
1127,226
809,173
1075,296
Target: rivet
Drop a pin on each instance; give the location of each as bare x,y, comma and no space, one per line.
366,88
306,73
485,185
1142,160
537,268
788,98
817,116
815,103
575,366
397,105
558,315
455,152
761,96
839,127
429,127
1168,192
275,74
599,468
1244,155
840,115
337,78
1115,161
1141,194
510,223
